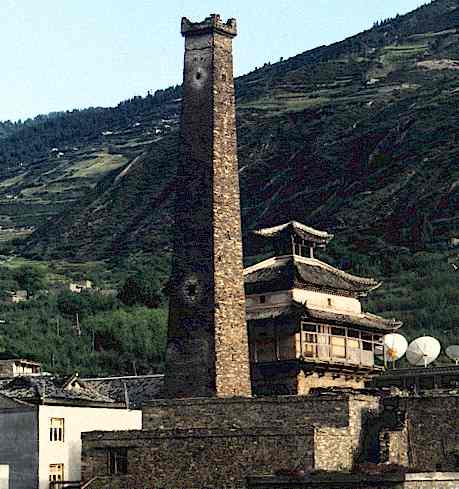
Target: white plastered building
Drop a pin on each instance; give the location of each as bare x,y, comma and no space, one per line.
41,421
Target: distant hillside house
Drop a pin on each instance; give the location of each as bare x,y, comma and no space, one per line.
17,296
78,287
13,366
41,421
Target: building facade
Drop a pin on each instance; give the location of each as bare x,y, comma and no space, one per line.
306,325
41,421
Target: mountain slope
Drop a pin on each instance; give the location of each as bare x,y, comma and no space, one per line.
359,136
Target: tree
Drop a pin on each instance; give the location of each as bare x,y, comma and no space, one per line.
141,290
70,303
31,278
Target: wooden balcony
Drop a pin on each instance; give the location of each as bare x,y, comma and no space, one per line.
316,344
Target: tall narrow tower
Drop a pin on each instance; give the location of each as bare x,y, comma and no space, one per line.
207,347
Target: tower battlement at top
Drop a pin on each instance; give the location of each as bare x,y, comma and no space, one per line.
213,23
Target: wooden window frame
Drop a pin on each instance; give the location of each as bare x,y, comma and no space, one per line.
57,433
54,471
117,461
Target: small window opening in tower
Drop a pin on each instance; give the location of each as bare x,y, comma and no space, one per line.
329,302
192,288
224,77
198,75
262,299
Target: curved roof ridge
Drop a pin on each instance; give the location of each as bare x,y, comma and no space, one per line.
345,275
267,263
369,320
396,322
295,225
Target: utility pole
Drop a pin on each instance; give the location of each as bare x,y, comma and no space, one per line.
78,329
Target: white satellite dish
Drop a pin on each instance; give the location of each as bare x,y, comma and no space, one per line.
453,353
394,346
422,351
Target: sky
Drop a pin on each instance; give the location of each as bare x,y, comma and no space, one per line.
65,54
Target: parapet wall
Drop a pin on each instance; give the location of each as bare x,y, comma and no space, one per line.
288,412
436,480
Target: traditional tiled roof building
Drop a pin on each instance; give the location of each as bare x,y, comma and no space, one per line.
305,320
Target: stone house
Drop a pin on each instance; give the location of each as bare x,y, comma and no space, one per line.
12,366
246,442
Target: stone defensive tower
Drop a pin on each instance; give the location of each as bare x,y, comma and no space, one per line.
207,347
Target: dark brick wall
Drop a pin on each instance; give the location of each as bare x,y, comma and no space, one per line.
195,459
207,348
218,442
431,431
285,411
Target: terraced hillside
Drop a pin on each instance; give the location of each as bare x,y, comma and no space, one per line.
38,182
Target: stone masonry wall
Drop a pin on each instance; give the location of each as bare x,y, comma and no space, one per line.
289,412
436,480
432,431
337,420
231,341
223,440
452,483
307,382
196,459
207,347
6,369
190,362
394,447
336,449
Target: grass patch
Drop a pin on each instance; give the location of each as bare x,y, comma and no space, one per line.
13,181
286,102
96,167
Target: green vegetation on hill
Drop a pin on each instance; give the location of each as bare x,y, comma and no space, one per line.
93,332
107,338
25,143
